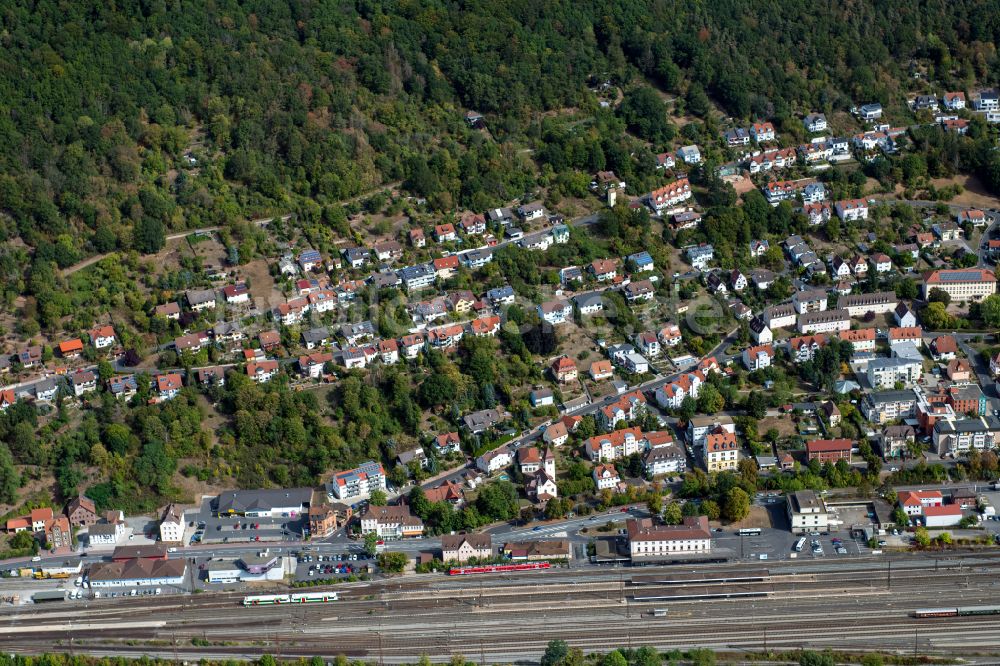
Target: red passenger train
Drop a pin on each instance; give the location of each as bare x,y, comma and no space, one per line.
497,568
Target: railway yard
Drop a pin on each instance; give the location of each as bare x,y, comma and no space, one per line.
501,618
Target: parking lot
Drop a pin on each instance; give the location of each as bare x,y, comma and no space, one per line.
203,526
312,566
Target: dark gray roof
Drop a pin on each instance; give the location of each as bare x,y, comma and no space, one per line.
239,501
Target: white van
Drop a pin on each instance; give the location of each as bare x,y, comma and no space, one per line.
800,544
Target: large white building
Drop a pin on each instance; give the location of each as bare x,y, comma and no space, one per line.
649,541
391,522
172,524
807,512
355,485
859,305
829,321
137,572
962,284
884,373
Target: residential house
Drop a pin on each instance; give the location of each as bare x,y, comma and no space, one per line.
758,357
387,251
954,101
699,256
316,337
815,122
531,211
761,132
603,270
627,408
905,318
445,267
269,340
943,348
542,397
445,233
102,337
122,386
870,112
643,290
481,421
736,137
670,335
417,238
601,370
462,548
83,381
495,460
391,522
555,434
862,340
758,248
417,277
849,210
641,262
986,100
760,331
606,477
71,348
689,155
447,443
896,439
804,348
262,371
589,303
200,299
817,213
665,459
169,385
564,370
829,450
721,451
555,312
899,335
82,512
172,524
168,310
236,294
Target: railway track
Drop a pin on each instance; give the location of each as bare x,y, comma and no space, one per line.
399,645
401,622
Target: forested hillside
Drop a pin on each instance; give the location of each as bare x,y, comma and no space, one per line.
283,102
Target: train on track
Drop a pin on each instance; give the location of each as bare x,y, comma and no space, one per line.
498,568
957,612
295,598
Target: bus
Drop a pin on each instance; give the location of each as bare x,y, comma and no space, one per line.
749,531
800,544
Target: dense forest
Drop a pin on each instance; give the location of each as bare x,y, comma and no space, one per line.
123,120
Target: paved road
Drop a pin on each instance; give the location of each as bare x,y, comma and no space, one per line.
90,261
